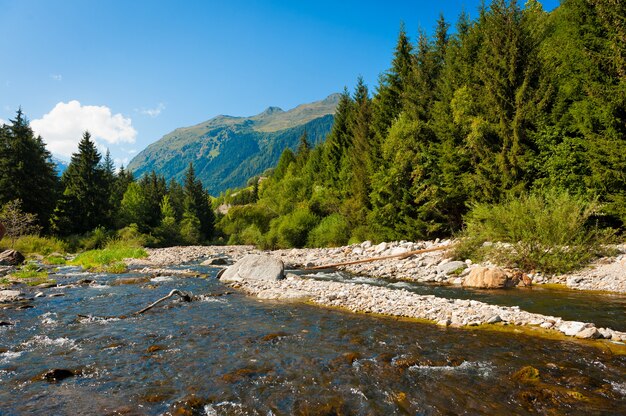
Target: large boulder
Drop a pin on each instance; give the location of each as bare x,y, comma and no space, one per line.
255,267
11,258
489,278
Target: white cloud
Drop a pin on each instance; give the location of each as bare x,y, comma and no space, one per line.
63,127
153,112
56,77
2,121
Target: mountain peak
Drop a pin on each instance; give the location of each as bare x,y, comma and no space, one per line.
272,110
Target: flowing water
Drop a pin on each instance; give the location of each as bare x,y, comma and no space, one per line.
233,355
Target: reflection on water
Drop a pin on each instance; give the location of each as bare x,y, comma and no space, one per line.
232,355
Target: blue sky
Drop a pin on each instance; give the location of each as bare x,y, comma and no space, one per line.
132,71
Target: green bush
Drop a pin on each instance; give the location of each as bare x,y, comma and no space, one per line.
290,230
96,239
332,231
34,244
546,231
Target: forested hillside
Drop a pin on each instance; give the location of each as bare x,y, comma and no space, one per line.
517,100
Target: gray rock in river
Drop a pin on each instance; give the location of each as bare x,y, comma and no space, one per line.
10,295
11,258
255,267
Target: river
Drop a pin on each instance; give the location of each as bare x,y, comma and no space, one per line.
235,355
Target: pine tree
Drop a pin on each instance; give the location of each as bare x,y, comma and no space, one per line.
197,205
360,152
388,101
85,190
339,139
26,172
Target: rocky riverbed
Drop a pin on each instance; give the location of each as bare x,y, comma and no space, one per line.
431,267
606,274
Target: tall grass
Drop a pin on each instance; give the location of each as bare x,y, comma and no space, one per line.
109,258
34,244
547,231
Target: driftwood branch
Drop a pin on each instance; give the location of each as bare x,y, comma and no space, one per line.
401,256
185,297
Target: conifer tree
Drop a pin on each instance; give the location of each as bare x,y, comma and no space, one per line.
339,139
197,206
26,172
85,191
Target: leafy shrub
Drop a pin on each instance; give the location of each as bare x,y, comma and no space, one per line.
130,236
332,231
96,239
545,231
291,230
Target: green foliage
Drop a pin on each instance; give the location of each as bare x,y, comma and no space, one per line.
332,231
54,260
547,231
26,170
227,151
291,230
32,275
34,244
17,223
110,256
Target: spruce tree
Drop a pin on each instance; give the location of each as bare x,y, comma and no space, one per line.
85,190
197,206
26,171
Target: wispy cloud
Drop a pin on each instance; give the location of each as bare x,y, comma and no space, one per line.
153,112
56,77
63,127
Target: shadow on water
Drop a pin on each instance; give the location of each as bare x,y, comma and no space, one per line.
233,355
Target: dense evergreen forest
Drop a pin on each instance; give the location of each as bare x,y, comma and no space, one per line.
514,102
518,100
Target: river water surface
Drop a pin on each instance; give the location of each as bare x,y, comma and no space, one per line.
233,355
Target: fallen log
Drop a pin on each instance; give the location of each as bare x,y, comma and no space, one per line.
184,296
400,256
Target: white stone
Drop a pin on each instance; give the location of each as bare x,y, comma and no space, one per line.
397,251
571,328
380,248
10,295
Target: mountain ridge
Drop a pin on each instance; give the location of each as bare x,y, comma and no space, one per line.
227,150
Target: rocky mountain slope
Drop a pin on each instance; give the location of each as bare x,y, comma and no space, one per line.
226,151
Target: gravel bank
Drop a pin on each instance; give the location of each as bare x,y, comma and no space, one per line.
454,312
433,267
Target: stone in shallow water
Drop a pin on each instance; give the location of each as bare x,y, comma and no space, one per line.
57,374
10,295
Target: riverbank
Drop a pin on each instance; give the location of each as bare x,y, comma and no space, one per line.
606,274
431,267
